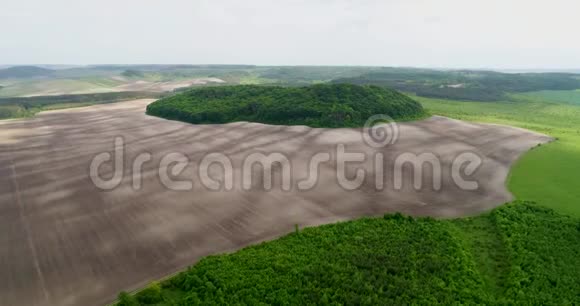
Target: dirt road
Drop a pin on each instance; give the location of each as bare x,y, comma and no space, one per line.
64,241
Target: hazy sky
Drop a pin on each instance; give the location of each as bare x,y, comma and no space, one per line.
427,33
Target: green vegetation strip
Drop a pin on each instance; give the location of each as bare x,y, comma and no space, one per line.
548,175
339,105
519,253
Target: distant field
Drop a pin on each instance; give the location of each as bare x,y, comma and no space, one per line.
457,84
464,84
46,87
563,96
20,107
16,88
34,81
549,175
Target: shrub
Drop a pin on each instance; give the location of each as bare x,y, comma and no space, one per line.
125,299
150,295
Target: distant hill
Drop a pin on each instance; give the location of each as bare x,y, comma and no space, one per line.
24,72
323,105
464,84
575,71
133,73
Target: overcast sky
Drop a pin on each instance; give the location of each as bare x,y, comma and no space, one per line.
426,33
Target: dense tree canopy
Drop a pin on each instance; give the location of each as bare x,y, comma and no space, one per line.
336,105
517,254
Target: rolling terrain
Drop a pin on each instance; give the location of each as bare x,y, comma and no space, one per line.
465,84
472,85
69,243
30,81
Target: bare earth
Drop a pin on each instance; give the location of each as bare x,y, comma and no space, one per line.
49,88
164,86
66,242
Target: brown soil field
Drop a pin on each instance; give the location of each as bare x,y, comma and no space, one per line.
66,242
70,87
164,86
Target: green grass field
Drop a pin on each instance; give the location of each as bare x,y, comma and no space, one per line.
549,175
563,96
